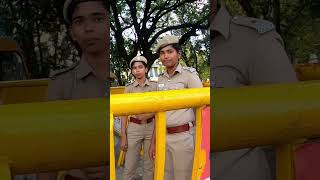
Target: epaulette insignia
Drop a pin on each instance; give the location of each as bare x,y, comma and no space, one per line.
190,69
261,26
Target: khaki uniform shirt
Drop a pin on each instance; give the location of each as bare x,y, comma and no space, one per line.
183,78
135,87
76,82
247,51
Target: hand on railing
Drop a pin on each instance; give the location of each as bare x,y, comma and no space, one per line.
144,117
124,143
152,148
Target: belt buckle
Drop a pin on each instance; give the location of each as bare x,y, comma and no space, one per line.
143,121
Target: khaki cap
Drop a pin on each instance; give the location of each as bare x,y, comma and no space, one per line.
138,58
166,40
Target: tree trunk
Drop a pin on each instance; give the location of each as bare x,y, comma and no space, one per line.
276,15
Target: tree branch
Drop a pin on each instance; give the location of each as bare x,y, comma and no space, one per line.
145,16
118,31
165,11
186,25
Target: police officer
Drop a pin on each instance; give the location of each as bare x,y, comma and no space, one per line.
245,51
180,123
140,127
89,29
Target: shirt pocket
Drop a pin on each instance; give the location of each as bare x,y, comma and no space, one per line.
176,85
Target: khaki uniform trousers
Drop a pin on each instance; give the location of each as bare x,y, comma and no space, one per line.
138,134
179,155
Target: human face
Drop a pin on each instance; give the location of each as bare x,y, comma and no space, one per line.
169,56
139,70
90,27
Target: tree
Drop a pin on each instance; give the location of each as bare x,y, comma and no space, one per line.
137,25
38,27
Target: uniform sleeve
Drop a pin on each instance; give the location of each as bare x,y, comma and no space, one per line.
270,62
227,76
194,81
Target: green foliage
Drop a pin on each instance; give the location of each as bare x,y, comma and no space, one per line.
136,26
39,30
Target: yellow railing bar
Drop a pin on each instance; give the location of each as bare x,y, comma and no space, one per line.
112,158
120,89
121,158
126,104
117,90
197,166
277,114
13,92
24,83
137,103
63,134
285,162
160,145
307,72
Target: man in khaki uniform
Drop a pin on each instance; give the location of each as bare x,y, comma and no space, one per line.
88,26
245,51
89,29
180,123
77,82
140,127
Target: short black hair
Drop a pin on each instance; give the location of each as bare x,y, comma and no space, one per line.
145,65
74,4
175,46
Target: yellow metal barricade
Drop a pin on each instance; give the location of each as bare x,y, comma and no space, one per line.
26,91
117,90
53,136
137,103
266,115
72,134
307,72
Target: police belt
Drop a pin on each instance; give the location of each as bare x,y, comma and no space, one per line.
138,121
180,129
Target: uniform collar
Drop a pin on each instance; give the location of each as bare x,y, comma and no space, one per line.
84,69
178,69
221,22
147,82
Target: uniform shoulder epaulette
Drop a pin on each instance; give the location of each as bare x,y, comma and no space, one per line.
190,69
54,74
261,26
